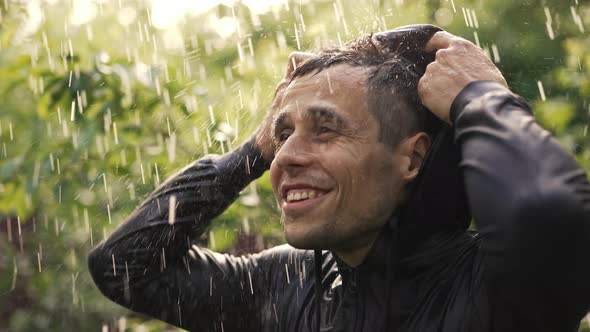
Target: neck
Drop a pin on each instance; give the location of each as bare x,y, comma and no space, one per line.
353,256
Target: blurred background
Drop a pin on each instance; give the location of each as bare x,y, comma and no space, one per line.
101,100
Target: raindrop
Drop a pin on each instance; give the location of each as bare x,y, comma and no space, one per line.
495,53
541,90
467,21
211,239
157,178
56,222
172,210
114,269
14,273
297,37
281,40
104,181
577,19
473,16
250,47
72,112
74,290
142,173
287,273
86,220
302,22
240,51
548,23
476,36
116,136
71,49
246,226
39,260
329,83
20,237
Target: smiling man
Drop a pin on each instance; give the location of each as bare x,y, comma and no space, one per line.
335,182
376,192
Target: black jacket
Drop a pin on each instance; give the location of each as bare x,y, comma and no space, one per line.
525,268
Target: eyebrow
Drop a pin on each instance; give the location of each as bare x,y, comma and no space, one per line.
316,112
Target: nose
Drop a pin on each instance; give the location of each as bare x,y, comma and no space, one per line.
294,155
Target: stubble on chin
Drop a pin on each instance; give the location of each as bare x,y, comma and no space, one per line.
302,236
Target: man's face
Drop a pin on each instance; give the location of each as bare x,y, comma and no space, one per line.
335,183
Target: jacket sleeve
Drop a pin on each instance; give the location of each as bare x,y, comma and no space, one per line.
149,265
530,202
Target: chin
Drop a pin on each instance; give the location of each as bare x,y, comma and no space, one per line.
304,243
310,239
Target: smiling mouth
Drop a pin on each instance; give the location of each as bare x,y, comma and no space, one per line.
301,195
297,201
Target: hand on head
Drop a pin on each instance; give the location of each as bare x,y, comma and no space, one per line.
263,134
458,62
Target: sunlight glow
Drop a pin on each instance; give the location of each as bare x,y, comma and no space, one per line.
166,13
83,11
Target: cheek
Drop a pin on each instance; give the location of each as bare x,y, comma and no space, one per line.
378,176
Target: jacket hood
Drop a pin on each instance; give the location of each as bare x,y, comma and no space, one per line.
431,222
436,200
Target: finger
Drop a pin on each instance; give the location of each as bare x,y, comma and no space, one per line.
295,59
440,40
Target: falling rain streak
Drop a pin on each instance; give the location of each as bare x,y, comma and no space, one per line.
153,86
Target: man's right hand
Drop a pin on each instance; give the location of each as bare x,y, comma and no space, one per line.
264,140
458,62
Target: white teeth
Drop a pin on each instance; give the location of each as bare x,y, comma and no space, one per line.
299,196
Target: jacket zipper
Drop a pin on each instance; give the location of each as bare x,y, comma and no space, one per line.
358,308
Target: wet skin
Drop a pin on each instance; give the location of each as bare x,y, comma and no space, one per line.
327,150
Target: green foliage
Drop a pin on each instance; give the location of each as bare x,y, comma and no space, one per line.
94,115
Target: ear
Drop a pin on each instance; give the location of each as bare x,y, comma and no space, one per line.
413,150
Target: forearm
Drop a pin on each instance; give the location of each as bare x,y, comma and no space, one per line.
529,198
507,158
153,242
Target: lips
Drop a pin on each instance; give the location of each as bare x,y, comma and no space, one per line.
298,198
302,194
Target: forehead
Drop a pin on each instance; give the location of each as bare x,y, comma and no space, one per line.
340,87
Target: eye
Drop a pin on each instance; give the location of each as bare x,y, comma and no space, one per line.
283,135
325,130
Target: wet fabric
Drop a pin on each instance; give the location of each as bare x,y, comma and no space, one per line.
525,267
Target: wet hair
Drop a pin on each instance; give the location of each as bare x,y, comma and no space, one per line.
392,84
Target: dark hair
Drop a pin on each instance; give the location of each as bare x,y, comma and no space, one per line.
392,84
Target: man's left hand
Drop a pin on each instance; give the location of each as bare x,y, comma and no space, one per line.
458,62
263,133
